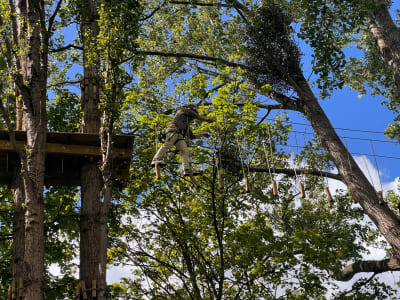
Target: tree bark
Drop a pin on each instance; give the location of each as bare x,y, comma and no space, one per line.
387,35
17,182
32,66
92,258
18,225
375,266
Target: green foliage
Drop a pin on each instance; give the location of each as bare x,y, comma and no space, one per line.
62,239
272,56
64,112
207,243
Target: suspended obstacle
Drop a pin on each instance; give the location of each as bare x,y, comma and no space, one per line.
380,197
246,184
274,188
328,193
157,169
65,154
302,192
82,291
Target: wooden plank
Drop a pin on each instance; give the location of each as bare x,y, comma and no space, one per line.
68,149
20,287
274,188
328,194
158,171
83,287
302,192
94,288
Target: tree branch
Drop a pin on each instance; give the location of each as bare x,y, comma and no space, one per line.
285,101
52,18
73,82
294,172
196,3
152,13
193,56
66,48
376,266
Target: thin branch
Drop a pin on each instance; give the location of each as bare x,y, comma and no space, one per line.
53,16
286,102
152,13
66,48
73,82
202,70
240,8
264,117
193,56
294,172
196,3
356,287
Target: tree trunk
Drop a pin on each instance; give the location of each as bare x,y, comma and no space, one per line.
17,182
358,185
32,66
387,35
18,225
92,258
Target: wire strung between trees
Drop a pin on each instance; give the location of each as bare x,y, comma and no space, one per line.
336,128
350,137
353,153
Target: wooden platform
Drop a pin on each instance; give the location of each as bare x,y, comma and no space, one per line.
66,153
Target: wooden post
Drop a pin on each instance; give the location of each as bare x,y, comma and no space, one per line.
20,287
246,184
380,197
83,287
221,184
274,188
302,192
13,294
158,171
328,193
94,288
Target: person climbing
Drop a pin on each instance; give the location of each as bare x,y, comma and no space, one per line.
176,132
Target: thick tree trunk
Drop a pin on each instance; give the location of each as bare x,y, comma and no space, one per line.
358,185
92,259
18,226
387,35
32,64
17,182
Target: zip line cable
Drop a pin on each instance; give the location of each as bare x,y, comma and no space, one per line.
353,153
336,128
350,137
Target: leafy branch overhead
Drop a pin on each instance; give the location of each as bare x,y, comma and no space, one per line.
272,57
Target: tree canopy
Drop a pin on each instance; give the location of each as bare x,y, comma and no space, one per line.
238,61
